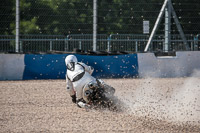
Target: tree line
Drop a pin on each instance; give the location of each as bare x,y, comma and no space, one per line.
62,17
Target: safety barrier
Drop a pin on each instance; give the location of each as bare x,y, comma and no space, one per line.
52,66
183,64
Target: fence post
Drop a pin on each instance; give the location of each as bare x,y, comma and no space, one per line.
79,45
136,46
67,43
21,46
196,42
94,25
51,45
108,43
167,42
17,27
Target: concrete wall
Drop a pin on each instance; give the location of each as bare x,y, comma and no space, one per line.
11,66
181,65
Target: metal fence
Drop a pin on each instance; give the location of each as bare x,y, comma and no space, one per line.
67,25
84,42
63,17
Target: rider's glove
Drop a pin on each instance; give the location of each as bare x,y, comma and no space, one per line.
91,70
73,98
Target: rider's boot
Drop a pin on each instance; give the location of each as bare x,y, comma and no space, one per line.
82,104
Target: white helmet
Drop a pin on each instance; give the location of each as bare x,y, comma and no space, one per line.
70,61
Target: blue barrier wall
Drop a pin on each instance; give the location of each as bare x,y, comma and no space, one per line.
52,66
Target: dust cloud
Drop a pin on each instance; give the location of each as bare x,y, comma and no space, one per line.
170,99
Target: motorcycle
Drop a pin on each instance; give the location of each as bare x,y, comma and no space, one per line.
100,98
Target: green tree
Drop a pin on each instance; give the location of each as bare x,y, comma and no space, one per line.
6,16
76,16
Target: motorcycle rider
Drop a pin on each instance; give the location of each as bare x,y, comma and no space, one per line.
78,77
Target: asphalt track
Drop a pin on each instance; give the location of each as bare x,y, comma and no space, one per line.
150,105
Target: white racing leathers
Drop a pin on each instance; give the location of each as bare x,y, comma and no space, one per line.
77,78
